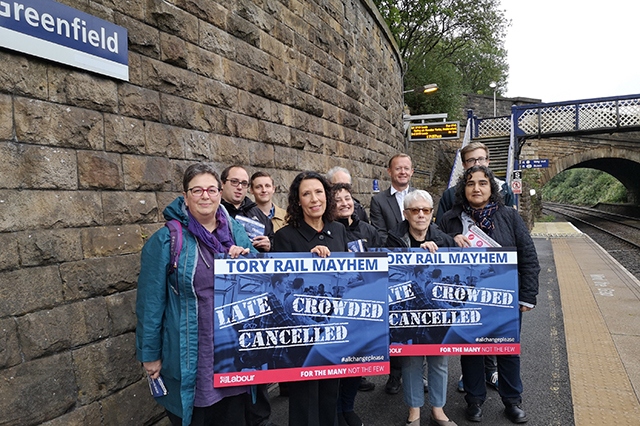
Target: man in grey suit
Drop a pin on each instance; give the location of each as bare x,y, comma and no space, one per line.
385,213
386,207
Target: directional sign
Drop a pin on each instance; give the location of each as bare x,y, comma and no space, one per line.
441,130
534,164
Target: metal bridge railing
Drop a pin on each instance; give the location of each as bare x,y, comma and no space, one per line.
588,116
494,127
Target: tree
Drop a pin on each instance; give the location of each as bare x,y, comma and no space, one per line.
458,44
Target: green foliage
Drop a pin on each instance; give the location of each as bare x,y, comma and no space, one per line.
458,44
584,187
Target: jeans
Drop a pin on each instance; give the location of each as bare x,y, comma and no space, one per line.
413,387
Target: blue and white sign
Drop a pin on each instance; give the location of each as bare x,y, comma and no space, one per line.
59,33
534,164
281,317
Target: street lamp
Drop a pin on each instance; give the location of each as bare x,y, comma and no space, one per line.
494,85
426,89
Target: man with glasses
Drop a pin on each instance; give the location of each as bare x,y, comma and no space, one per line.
472,154
235,184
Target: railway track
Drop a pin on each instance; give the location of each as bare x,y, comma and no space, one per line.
617,234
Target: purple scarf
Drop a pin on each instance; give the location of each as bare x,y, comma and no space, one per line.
482,217
218,241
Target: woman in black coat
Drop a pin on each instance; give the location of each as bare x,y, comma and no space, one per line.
311,228
478,203
361,236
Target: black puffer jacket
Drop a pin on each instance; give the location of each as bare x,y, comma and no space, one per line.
399,236
360,230
510,231
251,210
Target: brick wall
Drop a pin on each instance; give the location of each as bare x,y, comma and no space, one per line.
90,162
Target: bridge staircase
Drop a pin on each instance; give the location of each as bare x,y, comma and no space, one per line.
499,149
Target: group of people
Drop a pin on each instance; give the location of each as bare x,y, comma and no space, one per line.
174,334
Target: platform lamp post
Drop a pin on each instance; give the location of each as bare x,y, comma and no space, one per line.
426,89
494,85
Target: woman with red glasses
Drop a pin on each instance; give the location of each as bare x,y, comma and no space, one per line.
174,333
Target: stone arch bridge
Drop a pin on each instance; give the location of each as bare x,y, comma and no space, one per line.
602,134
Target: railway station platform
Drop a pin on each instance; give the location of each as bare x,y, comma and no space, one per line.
601,306
580,346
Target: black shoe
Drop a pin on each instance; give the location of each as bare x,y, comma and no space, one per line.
365,385
393,385
515,414
473,413
352,419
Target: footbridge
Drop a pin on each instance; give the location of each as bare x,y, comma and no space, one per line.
602,133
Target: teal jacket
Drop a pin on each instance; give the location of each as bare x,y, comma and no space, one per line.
167,327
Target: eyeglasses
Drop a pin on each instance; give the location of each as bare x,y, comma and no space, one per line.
415,210
198,191
236,182
479,160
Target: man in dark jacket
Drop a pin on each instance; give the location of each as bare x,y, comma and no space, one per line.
386,213
386,207
235,183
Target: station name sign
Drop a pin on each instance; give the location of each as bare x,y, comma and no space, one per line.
440,130
59,33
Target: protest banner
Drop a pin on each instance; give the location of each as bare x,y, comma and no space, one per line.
453,302
296,316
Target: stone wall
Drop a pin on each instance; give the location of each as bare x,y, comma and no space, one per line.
90,162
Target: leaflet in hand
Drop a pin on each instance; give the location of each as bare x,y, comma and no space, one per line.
355,246
253,227
479,238
157,387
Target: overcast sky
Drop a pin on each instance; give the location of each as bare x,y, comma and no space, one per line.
561,50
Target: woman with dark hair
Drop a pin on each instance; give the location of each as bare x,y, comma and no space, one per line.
478,203
357,230
174,333
361,236
311,228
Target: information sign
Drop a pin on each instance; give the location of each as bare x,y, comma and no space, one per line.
534,164
441,130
